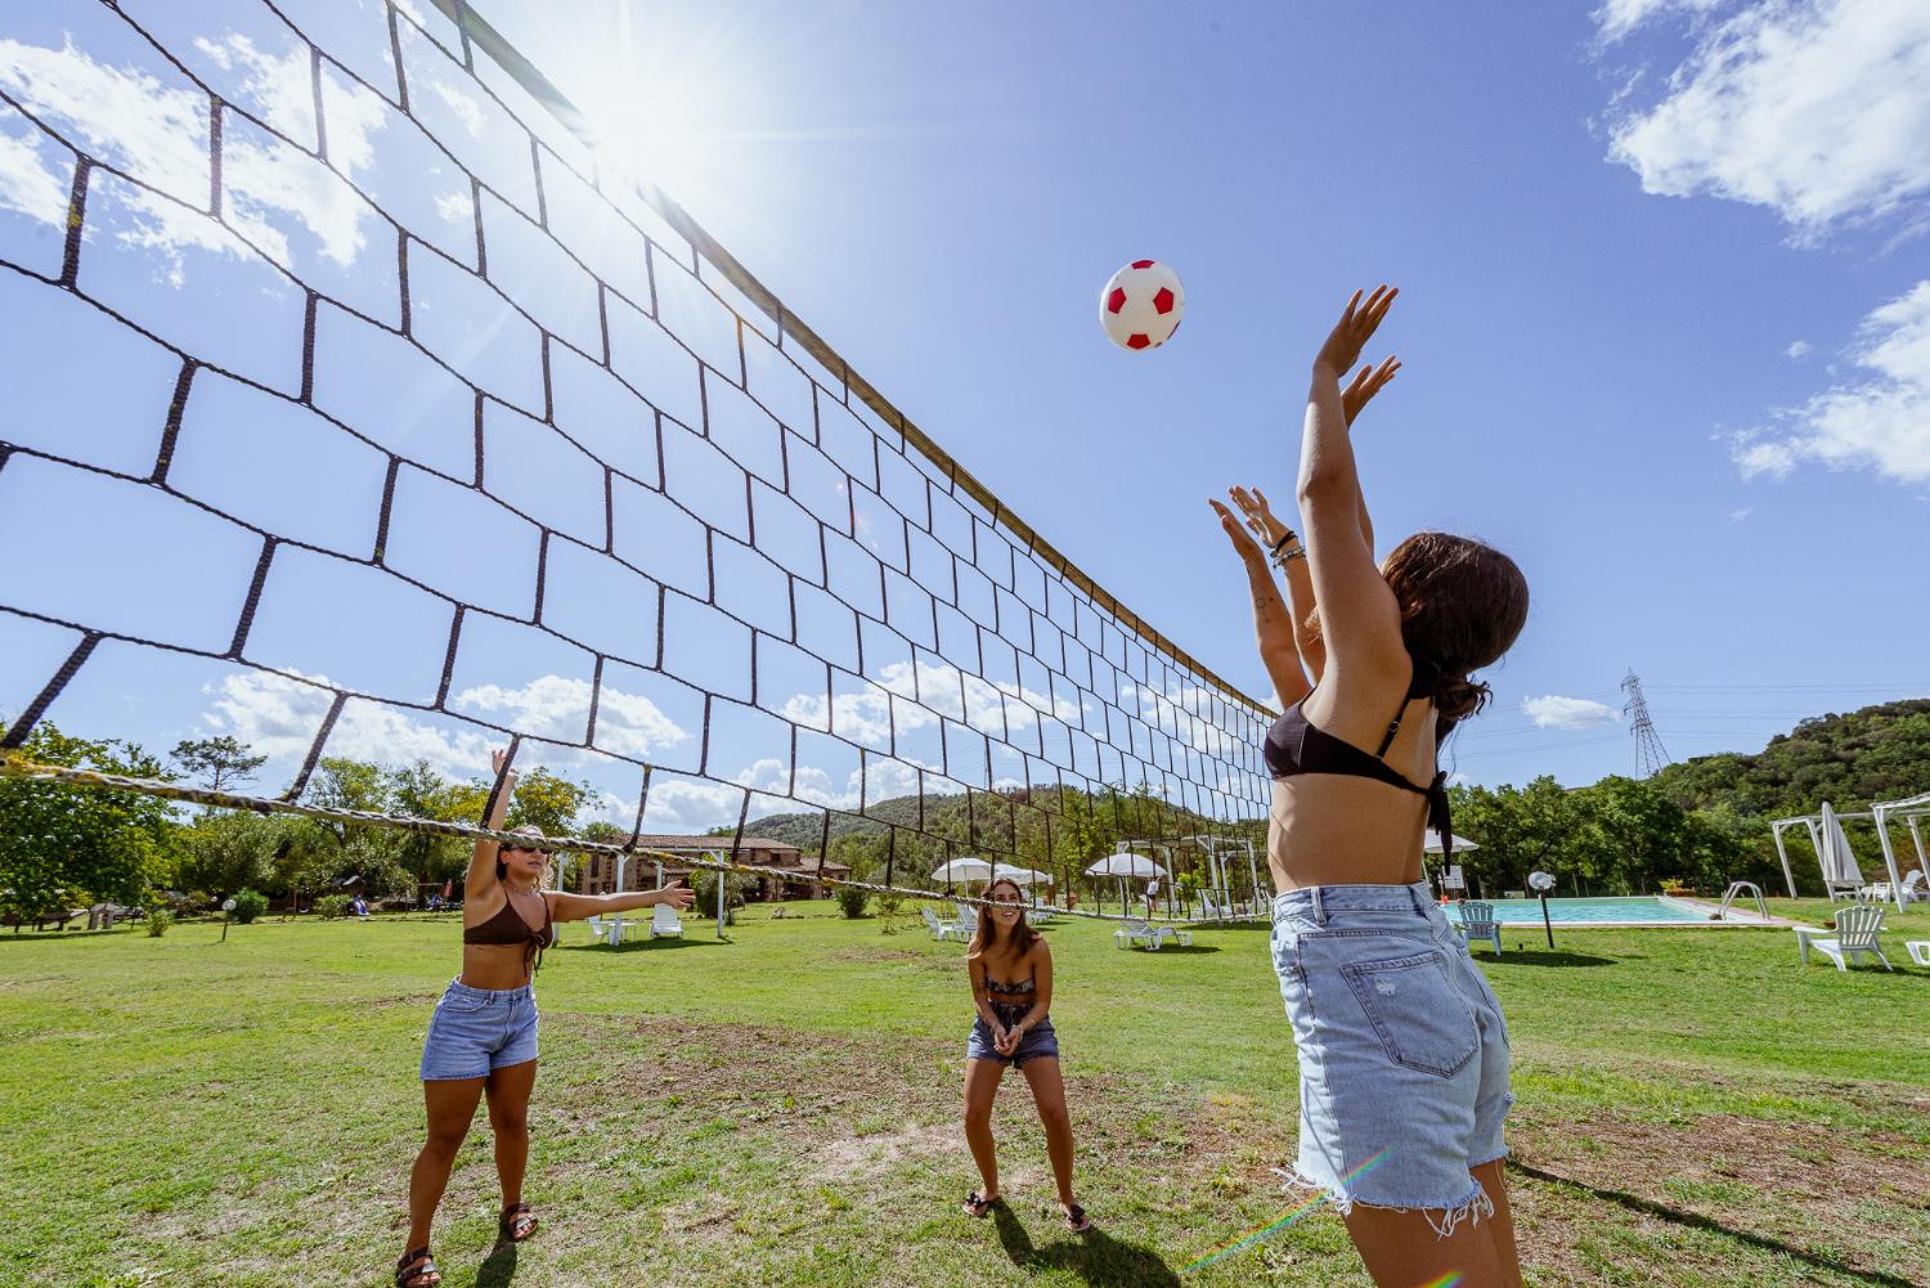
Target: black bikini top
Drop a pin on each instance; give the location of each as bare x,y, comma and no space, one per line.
508,927
1295,745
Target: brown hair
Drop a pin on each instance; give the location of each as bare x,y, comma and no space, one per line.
1462,605
987,932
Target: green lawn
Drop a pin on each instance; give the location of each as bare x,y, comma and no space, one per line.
782,1109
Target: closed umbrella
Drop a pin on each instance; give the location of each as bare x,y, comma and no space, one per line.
1839,864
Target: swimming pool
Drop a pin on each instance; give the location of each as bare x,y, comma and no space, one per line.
1642,910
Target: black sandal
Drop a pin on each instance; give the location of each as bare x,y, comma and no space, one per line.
515,1212
978,1205
1076,1219
417,1270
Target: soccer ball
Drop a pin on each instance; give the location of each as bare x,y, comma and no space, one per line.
1141,306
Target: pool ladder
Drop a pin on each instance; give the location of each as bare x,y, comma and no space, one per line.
1735,889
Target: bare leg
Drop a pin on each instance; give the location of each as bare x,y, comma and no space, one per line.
1403,1249
451,1104
1500,1226
981,1085
1049,1093
509,1090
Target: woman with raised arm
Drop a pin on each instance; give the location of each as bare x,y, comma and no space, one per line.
482,1038
1403,1051
1011,973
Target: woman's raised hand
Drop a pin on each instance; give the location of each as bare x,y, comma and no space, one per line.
1367,382
1243,543
1358,322
1260,519
498,761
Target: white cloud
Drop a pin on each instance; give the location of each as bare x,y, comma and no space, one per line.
279,716
1738,515
158,134
30,183
1817,109
1556,712
1881,422
1798,349
1618,18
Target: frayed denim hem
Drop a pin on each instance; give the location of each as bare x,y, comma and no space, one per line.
1444,1221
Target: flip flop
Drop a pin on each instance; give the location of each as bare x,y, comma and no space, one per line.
515,1216
1076,1219
417,1270
977,1205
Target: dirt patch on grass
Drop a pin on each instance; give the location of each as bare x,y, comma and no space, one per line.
1851,1203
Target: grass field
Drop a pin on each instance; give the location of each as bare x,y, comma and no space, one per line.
783,1109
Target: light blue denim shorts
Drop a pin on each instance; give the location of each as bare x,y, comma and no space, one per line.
477,1030
1403,1052
1039,1040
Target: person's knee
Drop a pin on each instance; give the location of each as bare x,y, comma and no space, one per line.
1055,1118
446,1138
510,1121
977,1117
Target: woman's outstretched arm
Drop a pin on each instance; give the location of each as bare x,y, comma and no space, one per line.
1359,618
1272,623
482,861
575,907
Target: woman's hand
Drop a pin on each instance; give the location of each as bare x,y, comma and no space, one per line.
1008,1042
1360,391
1260,519
1358,322
677,895
498,762
1243,543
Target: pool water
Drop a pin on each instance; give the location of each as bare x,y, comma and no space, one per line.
1644,908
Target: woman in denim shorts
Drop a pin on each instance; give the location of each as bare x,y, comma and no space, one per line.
482,1038
1403,1052
1011,972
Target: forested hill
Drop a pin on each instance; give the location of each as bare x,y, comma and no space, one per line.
1874,754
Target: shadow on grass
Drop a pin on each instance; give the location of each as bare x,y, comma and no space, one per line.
638,946
499,1267
1541,957
1094,1256
1696,1221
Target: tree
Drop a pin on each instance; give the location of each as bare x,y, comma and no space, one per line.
1519,828
368,850
419,791
548,802
224,761
229,851
63,846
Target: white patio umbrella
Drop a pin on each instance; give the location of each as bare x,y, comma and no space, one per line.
1432,843
1839,864
962,869
1125,865
1024,876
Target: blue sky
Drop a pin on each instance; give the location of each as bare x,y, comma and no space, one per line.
1665,322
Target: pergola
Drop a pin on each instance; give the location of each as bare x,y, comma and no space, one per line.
1910,811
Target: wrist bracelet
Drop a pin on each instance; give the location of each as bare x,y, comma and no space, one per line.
1281,558
1288,536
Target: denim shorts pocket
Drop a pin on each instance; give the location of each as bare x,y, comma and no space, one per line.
1423,1021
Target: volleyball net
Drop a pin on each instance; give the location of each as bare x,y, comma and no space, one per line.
355,407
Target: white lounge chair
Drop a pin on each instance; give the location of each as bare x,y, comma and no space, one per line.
940,930
664,922
1135,931
598,930
1914,890
1919,950
1184,938
1042,915
967,923
1855,935
1477,922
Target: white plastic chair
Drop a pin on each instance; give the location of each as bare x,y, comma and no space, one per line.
1919,950
1184,938
940,930
1135,931
1855,935
664,922
1477,922
597,929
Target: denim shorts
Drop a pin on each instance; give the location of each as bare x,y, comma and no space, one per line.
1039,1040
477,1030
1403,1052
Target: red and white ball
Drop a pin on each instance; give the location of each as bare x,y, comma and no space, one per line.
1141,306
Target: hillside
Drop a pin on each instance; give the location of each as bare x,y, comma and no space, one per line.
1880,752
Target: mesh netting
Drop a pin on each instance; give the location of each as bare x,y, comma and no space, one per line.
355,409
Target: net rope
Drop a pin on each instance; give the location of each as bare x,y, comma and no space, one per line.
950,576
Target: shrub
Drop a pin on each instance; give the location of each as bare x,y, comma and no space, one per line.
888,906
249,904
735,886
158,921
331,906
852,900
